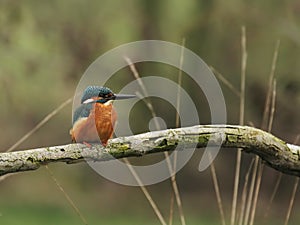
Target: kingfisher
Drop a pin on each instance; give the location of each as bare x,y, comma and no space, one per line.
95,118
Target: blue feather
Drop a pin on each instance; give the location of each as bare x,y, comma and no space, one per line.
94,91
82,111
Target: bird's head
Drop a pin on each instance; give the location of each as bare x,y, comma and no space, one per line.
103,95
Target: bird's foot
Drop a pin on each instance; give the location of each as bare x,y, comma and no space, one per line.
87,144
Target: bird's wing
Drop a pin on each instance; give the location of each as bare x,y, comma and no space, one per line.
82,111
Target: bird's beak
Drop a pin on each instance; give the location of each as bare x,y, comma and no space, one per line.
123,96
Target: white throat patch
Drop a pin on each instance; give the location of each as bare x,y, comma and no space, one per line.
88,101
108,102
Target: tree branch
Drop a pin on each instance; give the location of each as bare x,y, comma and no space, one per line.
275,152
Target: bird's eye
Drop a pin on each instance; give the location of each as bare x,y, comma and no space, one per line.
108,95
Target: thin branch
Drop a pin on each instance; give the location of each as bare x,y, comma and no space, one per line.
261,166
276,186
243,76
173,174
275,152
244,193
28,135
269,93
241,122
257,188
144,89
291,201
293,193
40,124
171,209
146,193
225,81
267,124
177,121
69,199
250,193
218,194
151,108
179,80
272,113
149,105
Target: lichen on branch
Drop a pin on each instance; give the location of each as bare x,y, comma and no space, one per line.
273,151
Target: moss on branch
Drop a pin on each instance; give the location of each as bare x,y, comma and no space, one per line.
275,152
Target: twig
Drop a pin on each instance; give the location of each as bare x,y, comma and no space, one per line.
257,188
293,193
40,124
269,93
292,201
243,76
225,81
218,194
213,171
251,189
179,80
269,108
150,106
244,194
241,122
171,209
276,186
272,113
70,201
136,176
31,132
146,193
177,120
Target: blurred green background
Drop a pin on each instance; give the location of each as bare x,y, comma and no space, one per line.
45,47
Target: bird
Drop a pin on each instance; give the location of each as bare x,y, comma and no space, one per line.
95,118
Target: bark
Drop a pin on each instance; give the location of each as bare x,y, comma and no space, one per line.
275,152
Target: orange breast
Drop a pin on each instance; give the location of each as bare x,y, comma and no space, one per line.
99,126
105,119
